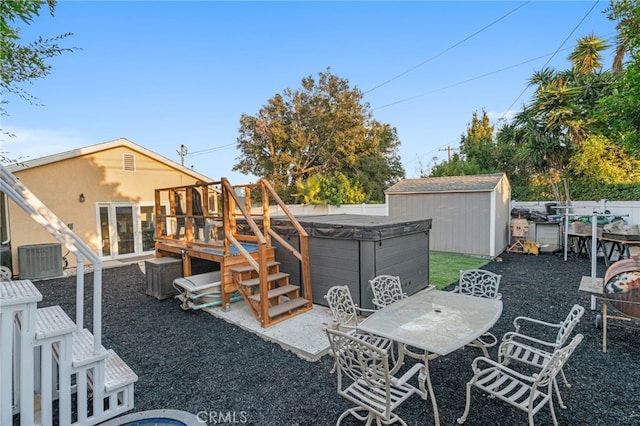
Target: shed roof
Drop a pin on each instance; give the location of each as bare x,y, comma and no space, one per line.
92,149
473,183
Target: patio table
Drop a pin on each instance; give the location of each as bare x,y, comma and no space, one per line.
620,245
436,323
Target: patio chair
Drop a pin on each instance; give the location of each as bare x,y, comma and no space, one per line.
526,392
180,215
364,378
346,315
480,283
344,311
198,214
534,351
386,290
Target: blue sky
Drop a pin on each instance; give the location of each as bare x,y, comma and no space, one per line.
162,73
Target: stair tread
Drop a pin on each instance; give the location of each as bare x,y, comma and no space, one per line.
248,268
83,349
290,305
18,292
53,321
279,291
117,373
271,277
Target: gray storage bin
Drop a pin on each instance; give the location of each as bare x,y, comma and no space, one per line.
160,273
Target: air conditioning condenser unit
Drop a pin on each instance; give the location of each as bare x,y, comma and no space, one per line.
38,261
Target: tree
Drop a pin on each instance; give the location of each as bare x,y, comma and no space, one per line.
478,153
22,63
309,190
616,114
321,128
25,62
547,132
614,164
477,145
457,166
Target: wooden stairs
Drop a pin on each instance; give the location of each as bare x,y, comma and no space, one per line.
253,273
284,299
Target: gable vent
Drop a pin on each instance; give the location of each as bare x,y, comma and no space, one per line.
128,162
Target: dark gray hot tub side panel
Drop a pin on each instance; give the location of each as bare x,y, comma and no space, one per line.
352,250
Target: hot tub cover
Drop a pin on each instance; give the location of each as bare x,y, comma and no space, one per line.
352,227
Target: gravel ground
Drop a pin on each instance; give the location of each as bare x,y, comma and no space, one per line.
192,361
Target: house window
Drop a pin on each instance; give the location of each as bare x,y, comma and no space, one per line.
128,162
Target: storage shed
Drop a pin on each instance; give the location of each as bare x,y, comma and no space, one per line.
470,214
352,249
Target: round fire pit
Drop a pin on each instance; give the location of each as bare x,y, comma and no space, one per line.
622,286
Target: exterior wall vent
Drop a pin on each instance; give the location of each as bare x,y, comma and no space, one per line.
128,162
37,261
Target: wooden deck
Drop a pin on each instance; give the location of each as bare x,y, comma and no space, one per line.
241,248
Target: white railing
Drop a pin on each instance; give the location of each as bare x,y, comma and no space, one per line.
31,205
361,209
630,210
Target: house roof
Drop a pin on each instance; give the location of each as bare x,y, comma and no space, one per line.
473,183
92,149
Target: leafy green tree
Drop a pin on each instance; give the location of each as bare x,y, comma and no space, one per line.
334,189
477,145
616,114
338,189
614,164
556,122
478,152
309,191
457,166
552,127
581,127
23,63
321,128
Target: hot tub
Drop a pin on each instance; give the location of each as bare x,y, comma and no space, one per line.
352,249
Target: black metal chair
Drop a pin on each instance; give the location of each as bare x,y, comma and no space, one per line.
198,213
180,215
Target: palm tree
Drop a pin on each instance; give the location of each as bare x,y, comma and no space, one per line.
586,57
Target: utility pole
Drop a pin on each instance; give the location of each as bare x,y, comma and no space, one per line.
182,153
448,149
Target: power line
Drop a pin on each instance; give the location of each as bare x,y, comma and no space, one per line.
469,80
554,54
449,149
460,82
208,150
446,50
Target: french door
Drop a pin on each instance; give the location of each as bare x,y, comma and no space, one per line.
126,229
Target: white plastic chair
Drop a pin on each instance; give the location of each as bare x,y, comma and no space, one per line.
346,315
480,283
531,349
526,392
365,379
386,290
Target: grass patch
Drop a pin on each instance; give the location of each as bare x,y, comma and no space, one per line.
444,268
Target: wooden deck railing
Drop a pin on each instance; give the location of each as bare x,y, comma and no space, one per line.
254,211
